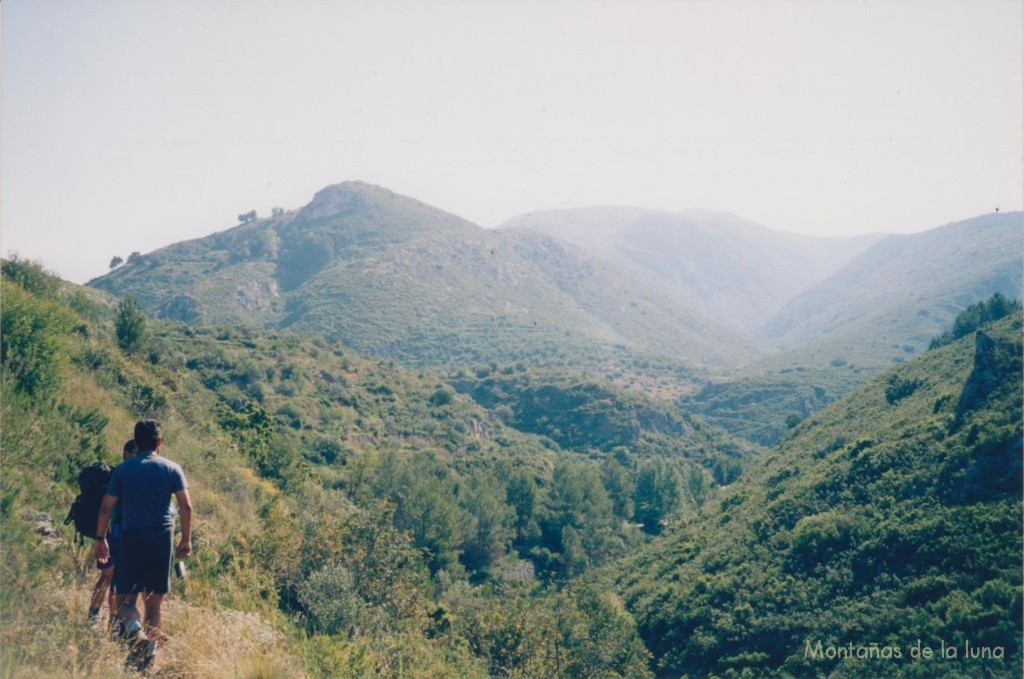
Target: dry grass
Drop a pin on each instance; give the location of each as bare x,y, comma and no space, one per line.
209,645
53,639
48,636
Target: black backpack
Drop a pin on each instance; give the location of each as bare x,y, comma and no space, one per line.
85,511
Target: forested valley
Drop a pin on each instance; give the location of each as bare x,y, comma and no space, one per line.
581,507
362,518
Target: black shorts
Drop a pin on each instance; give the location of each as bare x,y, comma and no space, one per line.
144,561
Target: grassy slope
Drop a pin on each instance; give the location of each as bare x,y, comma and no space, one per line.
883,520
45,588
230,593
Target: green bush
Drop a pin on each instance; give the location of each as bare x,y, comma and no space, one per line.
34,343
30,276
130,326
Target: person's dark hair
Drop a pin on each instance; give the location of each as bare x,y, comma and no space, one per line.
129,448
147,432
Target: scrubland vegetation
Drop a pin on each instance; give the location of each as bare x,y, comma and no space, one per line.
358,518
353,518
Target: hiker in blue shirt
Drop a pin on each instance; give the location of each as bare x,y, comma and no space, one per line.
143,487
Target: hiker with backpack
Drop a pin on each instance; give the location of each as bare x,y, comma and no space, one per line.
106,568
143,487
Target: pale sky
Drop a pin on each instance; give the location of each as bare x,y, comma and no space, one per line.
128,125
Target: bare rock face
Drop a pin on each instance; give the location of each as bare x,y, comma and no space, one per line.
257,295
524,571
480,429
183,308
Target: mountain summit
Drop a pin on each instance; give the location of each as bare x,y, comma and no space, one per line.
391,276
383,212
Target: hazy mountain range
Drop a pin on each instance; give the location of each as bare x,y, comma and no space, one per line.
700,272
791,291
801,318
735,270
907,286
389,275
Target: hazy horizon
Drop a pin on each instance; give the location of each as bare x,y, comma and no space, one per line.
129,126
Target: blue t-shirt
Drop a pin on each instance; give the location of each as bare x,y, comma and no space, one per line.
144,486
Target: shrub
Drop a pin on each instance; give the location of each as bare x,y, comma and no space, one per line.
898,388
130,326
30,276
33,342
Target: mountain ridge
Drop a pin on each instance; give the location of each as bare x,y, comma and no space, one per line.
393,276
941,270
714,260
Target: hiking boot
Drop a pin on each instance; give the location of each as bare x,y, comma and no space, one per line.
131,629
149,656
94,614
141,655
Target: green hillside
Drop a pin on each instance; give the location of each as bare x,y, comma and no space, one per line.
762,408
661,304
389,276
418,448
353,518
890,519
591,415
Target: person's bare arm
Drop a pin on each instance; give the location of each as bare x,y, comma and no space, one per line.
102,524
185,511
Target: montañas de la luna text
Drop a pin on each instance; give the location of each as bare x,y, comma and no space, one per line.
875,651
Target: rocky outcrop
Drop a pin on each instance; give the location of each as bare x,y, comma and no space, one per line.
42,525
257,295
